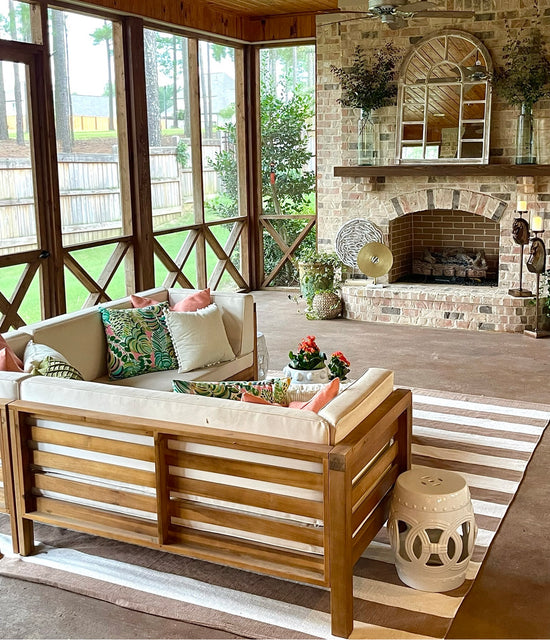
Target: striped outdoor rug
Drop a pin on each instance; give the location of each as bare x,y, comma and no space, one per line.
489,441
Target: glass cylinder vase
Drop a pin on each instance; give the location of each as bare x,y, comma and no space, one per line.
368,139
526,152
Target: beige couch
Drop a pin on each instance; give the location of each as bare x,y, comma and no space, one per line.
282,491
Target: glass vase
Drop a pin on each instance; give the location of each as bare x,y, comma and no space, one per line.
526,152
368,139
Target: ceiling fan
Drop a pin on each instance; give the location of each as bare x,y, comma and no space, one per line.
395,13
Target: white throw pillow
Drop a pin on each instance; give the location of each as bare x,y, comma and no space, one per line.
199,337
35,353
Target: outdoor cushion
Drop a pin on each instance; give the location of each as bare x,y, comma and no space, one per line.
199,337
36,353
321,398
137,341
272,389
9,361
194,301
55,368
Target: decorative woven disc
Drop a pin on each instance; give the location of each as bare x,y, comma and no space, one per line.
375,259
352,237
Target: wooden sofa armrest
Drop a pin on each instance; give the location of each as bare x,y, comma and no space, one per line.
363,469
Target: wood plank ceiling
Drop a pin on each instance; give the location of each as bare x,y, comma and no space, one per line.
263,8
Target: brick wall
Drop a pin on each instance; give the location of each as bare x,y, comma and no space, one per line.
384,200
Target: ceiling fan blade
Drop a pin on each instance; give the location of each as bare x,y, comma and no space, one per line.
362,17
397,23
417,6
443,14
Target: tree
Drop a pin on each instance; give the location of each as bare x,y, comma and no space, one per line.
105,34
4,133
20,134
62,94
152,87
287,188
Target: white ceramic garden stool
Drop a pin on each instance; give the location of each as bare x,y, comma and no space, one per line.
432,529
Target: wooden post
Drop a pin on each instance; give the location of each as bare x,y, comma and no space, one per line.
253,171
7,476
162,489
22,482
196,162
138,153
340,546
404,436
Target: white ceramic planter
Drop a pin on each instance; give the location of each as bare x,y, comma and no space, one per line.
307,376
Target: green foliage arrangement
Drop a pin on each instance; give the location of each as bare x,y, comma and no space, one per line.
525,77
369,83
319,272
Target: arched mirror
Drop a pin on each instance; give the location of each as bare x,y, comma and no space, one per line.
444,101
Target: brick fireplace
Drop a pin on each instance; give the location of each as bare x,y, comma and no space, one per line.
423,210
435,218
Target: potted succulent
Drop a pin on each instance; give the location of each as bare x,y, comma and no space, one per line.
523,80
369,84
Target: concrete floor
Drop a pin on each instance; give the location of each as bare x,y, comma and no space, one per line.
510,598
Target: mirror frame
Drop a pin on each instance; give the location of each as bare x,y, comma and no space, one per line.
402,85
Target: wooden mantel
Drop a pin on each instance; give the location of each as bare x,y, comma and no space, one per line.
513,170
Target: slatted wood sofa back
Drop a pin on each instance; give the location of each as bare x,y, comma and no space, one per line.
291,509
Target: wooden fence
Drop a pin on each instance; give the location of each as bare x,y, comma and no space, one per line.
90,195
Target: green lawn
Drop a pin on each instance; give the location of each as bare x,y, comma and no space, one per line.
93,260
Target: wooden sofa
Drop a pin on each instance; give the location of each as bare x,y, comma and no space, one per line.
285,492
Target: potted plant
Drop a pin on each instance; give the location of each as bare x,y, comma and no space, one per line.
523,80
320,278
308,363
369,84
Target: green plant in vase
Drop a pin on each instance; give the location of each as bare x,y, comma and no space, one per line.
320,275
369,84
523,80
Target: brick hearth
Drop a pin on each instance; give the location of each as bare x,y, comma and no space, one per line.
443,306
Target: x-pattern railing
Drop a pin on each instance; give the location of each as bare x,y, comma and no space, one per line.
97,288
288,250
198,233
9,308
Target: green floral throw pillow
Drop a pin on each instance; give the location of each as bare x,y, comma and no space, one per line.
55,368
137,341
272,390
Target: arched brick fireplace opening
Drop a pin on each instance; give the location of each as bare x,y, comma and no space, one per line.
433,223
444,246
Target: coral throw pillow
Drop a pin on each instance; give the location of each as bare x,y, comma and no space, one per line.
320,399
250,397
8,360
139,303
193,302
